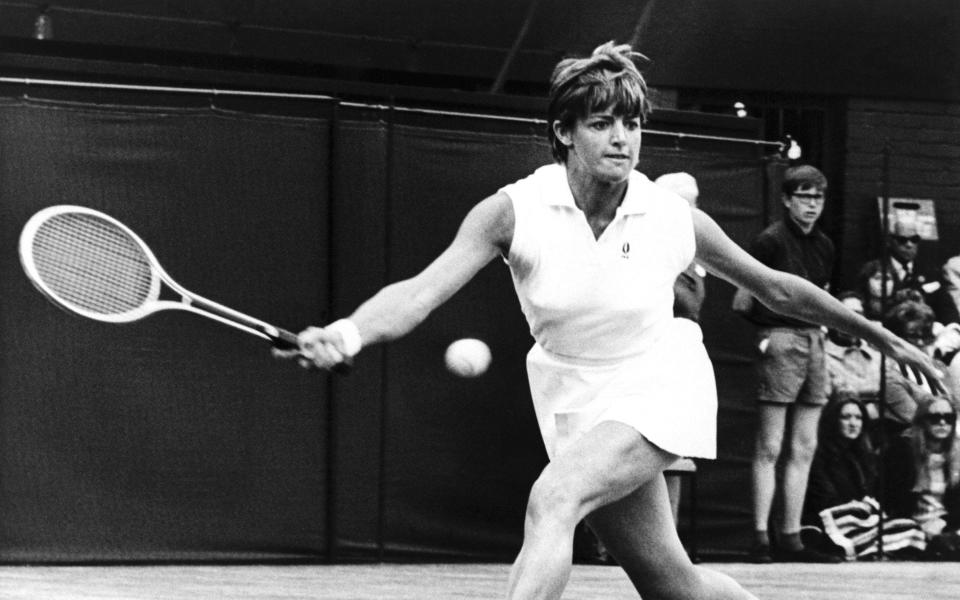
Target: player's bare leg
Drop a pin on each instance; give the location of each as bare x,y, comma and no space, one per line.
639,532
606,464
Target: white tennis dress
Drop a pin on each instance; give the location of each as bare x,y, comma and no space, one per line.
601,313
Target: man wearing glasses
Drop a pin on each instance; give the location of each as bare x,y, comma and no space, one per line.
791,368
903,242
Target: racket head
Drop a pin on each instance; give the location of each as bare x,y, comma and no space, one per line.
90,264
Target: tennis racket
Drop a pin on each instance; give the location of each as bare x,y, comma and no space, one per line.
93,265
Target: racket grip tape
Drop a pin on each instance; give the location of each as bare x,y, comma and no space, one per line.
287,340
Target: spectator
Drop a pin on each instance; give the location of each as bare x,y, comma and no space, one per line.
923,475
792,371
841,513
945,302
853,367
689,292
903,243
946,349
689,289
904,385
845,465
869,284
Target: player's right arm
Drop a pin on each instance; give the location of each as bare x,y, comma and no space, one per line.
485,233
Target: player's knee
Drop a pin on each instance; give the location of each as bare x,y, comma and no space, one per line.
552,502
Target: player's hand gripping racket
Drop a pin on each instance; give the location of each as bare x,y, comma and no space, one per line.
93,265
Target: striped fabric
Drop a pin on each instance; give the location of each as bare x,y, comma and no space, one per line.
855,528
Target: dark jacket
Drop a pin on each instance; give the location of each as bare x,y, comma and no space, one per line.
785,247
837,476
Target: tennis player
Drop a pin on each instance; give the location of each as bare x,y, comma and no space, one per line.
620,387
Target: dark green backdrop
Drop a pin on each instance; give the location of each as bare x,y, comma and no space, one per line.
177,439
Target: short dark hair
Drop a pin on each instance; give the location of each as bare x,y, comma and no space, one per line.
609,77
800,176
909,311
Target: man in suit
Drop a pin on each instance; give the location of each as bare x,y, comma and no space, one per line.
903,243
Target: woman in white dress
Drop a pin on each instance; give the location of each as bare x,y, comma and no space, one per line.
620,387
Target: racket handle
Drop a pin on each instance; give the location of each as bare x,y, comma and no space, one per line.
287,340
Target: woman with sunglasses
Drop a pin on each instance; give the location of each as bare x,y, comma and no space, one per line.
923,473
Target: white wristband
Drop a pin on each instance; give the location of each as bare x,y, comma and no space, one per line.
350,334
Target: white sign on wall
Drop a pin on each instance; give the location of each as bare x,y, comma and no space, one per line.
921,212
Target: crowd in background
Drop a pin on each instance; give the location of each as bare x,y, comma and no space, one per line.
871,457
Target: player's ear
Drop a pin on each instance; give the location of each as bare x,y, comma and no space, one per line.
562,133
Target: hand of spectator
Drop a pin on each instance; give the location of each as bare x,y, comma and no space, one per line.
948,340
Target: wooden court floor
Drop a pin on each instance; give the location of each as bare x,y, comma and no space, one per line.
854,581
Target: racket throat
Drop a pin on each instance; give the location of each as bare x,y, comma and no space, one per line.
228,316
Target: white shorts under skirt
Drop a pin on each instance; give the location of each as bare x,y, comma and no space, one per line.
667,393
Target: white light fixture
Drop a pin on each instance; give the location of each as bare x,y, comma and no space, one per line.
43,24
791,148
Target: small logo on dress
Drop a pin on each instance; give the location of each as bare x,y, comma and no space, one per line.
625,250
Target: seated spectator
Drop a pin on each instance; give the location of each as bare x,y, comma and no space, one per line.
869,283
913,321
946,349
689,290
945,302
908,295
852,365
840,513
923,475
845,466
903,244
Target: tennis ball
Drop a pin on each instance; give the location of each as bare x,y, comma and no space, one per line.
467,357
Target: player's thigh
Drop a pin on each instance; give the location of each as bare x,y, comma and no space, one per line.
639,532
605,464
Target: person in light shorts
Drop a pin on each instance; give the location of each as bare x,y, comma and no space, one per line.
792,366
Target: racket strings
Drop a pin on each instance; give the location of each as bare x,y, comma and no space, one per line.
93,264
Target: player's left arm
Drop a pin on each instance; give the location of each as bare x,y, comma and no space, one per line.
794,296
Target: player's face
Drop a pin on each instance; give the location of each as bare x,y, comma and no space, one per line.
851,421
604,145
804,205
